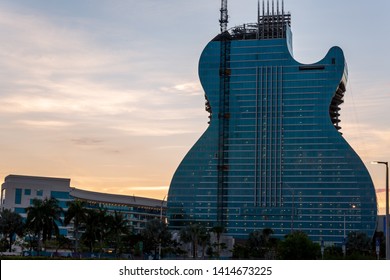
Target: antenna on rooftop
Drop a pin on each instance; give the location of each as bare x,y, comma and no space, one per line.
224,16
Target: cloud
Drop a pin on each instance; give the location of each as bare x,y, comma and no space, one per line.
65,76
48,124
190,88
59,69
368,139
85,141
148,188
71,99
153,129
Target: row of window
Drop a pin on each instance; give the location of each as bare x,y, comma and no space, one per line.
27,192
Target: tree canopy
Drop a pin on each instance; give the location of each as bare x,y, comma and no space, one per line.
11,223
43,218
298,246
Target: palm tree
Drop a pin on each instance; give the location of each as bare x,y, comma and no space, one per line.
11,223
192,234
270,243
96,228
218,231
260,244
77,213
43,218
52,216
204,240
118,228
255,244
103,221
89,236
35,220
155,234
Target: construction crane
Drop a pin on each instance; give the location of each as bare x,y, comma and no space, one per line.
224,115
224,16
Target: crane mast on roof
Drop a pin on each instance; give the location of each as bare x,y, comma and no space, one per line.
223,116
224,16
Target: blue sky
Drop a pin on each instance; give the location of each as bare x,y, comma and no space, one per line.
106,92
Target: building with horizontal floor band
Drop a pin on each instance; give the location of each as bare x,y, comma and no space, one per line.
273,155
17,193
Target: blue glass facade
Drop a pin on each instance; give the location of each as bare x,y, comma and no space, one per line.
18,196
273,155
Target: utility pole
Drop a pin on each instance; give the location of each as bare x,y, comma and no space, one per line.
387,223
161,221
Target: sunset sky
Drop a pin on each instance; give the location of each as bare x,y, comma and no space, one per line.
106,92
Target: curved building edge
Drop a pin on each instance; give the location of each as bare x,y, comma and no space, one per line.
191,182
18,191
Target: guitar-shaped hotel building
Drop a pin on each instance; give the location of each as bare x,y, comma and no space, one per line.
273,155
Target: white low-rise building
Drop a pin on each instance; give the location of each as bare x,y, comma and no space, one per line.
18,192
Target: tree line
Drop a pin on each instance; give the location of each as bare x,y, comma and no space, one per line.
99,231
96,229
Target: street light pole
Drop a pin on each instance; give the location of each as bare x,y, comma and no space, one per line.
387,225
344,246
161,208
